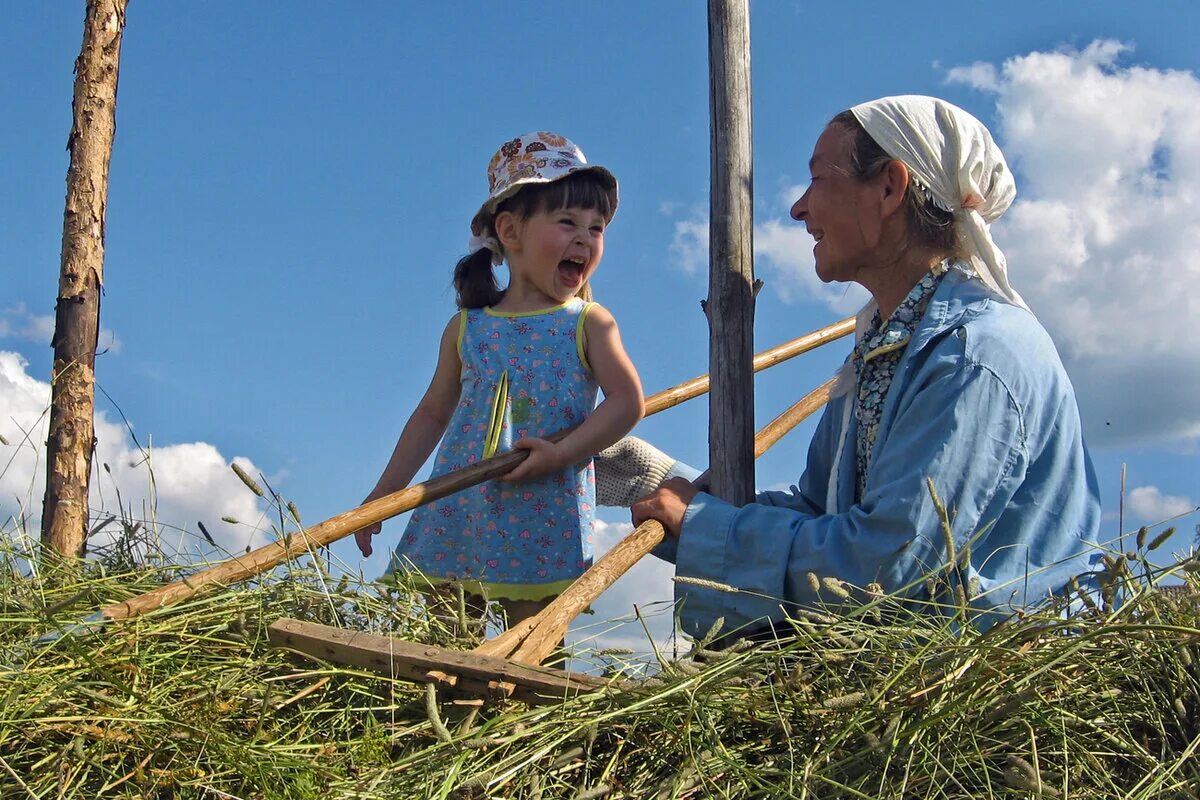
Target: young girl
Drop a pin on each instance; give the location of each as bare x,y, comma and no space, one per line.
514,366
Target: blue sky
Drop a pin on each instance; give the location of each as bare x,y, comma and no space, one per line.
291,186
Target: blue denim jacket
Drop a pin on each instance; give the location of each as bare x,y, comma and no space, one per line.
981,405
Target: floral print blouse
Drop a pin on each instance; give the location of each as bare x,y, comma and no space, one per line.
875,358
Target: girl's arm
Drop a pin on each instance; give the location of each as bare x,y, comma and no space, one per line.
423,430
621,409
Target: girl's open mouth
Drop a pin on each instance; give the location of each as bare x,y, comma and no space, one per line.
570,272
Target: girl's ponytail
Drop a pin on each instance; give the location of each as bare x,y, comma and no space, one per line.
475,283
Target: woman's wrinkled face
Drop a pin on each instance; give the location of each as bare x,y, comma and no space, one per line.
837,209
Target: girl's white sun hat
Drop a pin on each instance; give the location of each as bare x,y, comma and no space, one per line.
538,157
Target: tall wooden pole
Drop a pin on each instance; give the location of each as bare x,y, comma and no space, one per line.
730,305
77,314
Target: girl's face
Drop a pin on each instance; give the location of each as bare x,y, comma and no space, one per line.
554,252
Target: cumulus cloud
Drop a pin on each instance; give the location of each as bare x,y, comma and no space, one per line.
176,485
647,583
1152,506
784,259
17,322
782,254
689,247
1104,239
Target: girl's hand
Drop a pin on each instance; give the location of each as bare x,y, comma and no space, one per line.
667,505
544,457
362,537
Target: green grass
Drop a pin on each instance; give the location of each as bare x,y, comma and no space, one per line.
880,702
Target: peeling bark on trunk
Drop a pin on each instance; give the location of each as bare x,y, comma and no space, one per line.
77,312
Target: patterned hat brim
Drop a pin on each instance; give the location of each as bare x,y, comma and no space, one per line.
488,209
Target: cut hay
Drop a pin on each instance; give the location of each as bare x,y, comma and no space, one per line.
879,702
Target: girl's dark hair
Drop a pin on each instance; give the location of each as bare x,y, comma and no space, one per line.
475,284
928,224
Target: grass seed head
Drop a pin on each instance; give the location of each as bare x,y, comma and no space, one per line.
706,584
835,587
1162,537
846,700
251,484
615,651
714,630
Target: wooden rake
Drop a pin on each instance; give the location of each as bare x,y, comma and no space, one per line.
509,664
307,540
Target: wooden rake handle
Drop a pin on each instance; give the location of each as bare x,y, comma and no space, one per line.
305,541
532,640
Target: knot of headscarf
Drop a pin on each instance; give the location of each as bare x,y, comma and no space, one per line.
952,158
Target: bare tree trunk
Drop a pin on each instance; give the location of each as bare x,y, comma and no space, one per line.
730,305
77,316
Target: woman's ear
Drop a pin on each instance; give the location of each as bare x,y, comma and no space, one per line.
508,230
895,184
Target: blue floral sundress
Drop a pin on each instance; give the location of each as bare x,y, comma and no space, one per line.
523,374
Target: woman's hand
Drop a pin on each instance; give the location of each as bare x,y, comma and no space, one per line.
667,505
544,457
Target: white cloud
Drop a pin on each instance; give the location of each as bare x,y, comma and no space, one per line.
1104,239
17,322
689,247
783,259
108,342
647,583
1152,506
180,485
783,254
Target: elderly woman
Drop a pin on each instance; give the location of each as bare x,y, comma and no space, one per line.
952,383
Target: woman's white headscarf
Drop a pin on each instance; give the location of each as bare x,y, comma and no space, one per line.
951,155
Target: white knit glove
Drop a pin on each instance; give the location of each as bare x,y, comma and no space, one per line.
628,470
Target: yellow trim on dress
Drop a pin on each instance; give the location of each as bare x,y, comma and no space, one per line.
496,424
491,312
462,331
581,337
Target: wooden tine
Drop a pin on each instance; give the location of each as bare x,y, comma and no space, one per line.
412,661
